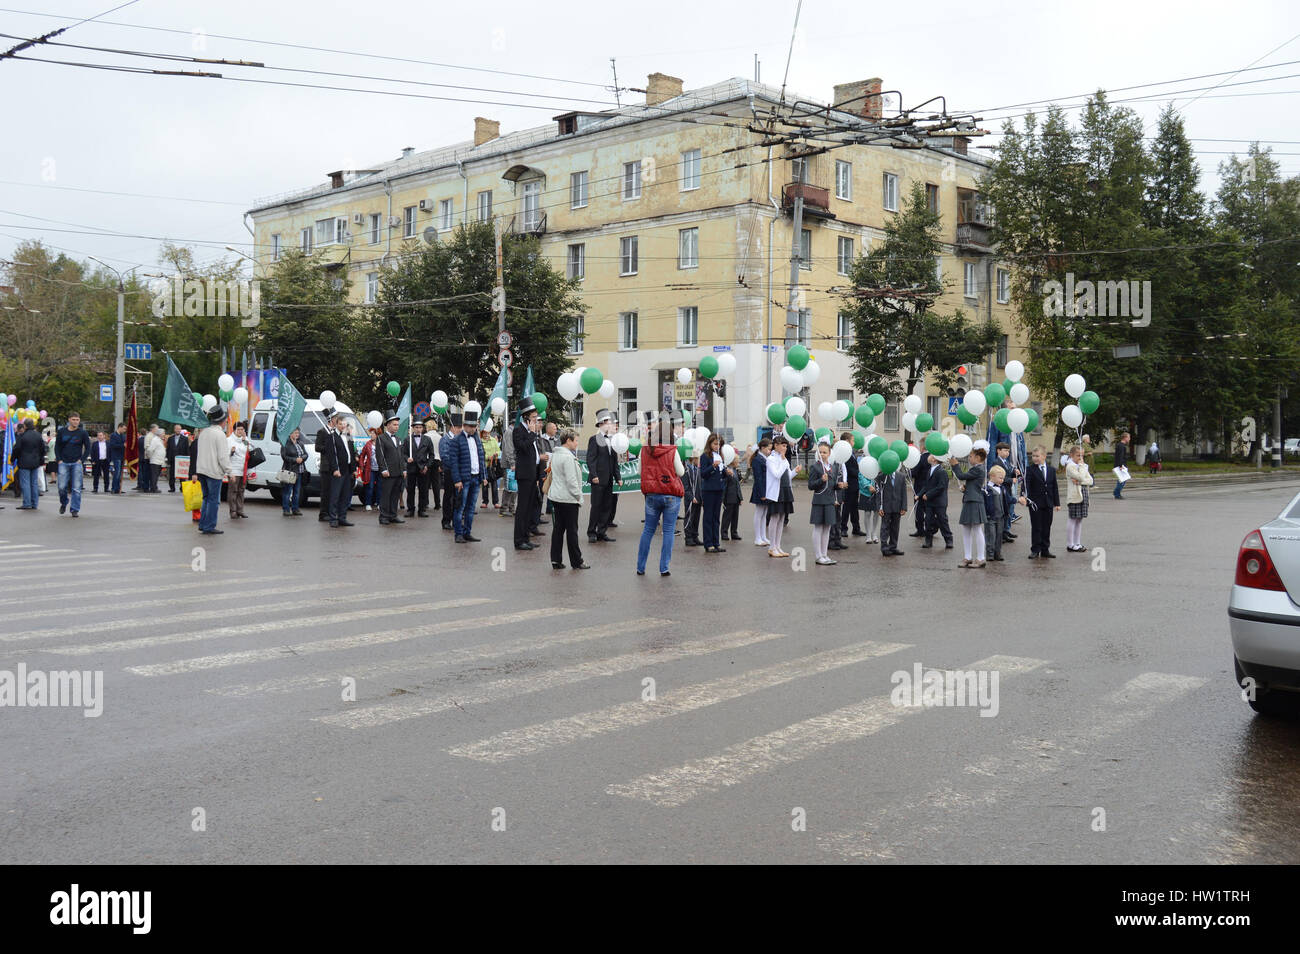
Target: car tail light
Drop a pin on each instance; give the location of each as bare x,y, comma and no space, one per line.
1254,566
252,475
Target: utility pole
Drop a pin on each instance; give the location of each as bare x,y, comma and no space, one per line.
119,370
1277,428
499,306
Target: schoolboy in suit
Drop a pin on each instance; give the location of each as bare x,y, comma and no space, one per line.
1043,498
893,506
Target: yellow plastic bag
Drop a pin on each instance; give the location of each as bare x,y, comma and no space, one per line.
192,494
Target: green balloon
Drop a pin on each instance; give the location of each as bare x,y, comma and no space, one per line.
634,448
859,440
995,394
936,443
1033,419
864,416
776,413
899,447
924,422
889,462
876,446
797,357
821,432
684,449
394,389
708,366
1089,401
540,402
1006,385
877,403
795,426
965,416
198,398
591,380
1000,420
226,395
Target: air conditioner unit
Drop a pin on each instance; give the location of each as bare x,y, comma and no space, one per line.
357,218
426,205
394,221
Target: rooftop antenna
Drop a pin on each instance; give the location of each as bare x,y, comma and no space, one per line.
618,102
789,55
758,70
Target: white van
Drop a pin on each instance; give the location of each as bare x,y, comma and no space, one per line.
261,433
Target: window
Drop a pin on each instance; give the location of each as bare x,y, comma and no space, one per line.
305,238
576,331
891,416
1004,286
844,255
446,213
801,330
1038,409
532,204
578,190
688,327
1004,342
932,197
577,261
799,170
341,233
938,269
376,226
688,248
325,231
408,216
632,180
843,332
627,331
372,287
843,180
842,395
934,409
485,206
259,426
690,170
627,248
805,249
627,406
890,190
275,247
578,410
969,287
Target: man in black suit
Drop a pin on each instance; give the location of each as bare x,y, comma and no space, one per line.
893,505
419,462
450,495
178,445
602,466
338,461
325,445
1043,499
392,468
934,501
529,464
920,474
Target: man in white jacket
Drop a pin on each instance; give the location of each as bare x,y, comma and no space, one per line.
212,464
155,449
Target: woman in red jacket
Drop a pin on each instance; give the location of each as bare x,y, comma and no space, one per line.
661,483
368,470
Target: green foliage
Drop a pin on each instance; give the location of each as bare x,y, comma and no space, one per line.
308,327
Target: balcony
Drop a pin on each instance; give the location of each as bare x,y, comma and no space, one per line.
816,200
974,237
528,223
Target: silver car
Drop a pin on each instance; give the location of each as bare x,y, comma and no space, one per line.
1264,616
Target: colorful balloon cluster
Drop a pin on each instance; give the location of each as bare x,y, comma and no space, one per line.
8,411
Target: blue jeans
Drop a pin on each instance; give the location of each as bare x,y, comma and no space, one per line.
116,467
1119,487
29,481
290,495
211,502
462,520
70,477
658,507
372,489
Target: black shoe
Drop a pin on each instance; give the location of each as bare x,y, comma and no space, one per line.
422,514
858,533
536,533
1008,538
927,546
63,508
612,525
591,538
661,573
736,538
837,546
459,538
295,513
1033,556
346,523
916,534
583,566
999,559
557,566
470,538
397,520
606,539
543,520
1046,555
640,572
947,546
212,531
410,513
525,546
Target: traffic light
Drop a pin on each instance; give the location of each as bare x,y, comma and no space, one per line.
962,380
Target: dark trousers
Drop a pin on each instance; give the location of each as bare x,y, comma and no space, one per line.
602,502
537,505
566,528
491,486
918,515
326,495
693,522
416,481
712,507
936,521
525,518
1040,524
99,468
613,508
448,498
171,473
389,496
340,497
889,524
849,511
731,521
435,484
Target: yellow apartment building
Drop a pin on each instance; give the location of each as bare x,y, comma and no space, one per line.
678,221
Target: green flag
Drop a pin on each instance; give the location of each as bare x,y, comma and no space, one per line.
288,409
528,383
404,412
178,404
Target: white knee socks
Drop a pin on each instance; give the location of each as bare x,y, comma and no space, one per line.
760,523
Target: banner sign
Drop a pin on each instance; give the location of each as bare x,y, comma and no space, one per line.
629,471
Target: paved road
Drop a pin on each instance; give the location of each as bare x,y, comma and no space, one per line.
519,695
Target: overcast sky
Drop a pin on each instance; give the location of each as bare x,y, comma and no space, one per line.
168,141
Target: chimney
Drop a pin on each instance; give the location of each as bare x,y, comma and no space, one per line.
408,151
485,130
660,87
856,98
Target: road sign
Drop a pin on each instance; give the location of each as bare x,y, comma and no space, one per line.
769,348
722,347
504,340
138,351
505,358
422,411
953,404
106,392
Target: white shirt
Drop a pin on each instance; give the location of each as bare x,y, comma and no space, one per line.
238,450
101,450
776,469
473,456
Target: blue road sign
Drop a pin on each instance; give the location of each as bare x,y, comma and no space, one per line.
138,351
722,347
106,392
953,404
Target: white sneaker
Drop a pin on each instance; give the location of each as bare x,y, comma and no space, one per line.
367,508
762,543
825,561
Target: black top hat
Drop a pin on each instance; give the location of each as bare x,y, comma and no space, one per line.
456,420
471,418
526,407
217,415
392,416
603,415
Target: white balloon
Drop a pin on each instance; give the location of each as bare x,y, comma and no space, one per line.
975,402
841,451
959,445
912,403
913,456
209,402
842,410
791,380
327,399
728,454
568,385
1019,393
810,373
683,375
1015,370
473,407
374,419
726,364
870,466
795,405
1075,385
826,411
486,425
437,399
225,382
1018,420
498,406
241,395
909,421
1071,415
607,388
619,442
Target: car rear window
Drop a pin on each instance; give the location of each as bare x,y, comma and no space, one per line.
1294,512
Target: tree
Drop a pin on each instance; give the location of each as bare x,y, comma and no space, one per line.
891,305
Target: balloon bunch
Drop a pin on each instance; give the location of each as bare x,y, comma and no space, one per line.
692,442
714,366
582,381
1087,402
26,413
227,391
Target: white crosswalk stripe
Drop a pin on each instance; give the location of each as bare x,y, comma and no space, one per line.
98,568
1032,758
28,546
448,657
45,556
534,738
222,660
222,595
155,587
272,625
514,686
737,763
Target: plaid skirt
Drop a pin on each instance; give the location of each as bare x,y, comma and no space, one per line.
1078,511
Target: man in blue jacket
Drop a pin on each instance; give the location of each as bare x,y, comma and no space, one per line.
468,467
71,450
117,456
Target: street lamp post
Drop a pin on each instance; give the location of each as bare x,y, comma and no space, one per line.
119,369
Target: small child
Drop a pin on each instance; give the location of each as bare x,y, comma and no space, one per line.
869,504
691,484
731,499
1076,499
1003,460
824,476
973,512
994,513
